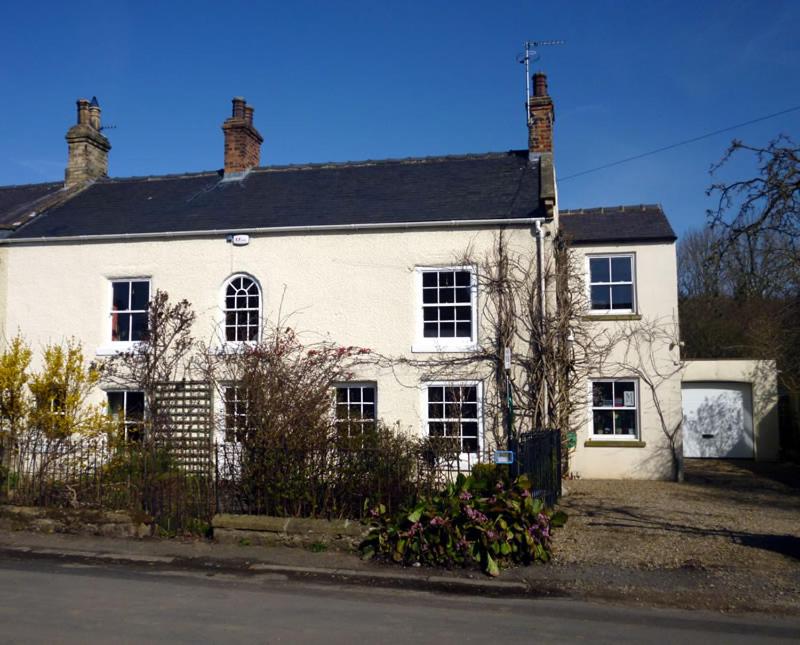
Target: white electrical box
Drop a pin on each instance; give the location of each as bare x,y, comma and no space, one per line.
240,240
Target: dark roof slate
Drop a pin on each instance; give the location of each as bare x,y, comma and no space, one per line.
609,224
17,202
488,186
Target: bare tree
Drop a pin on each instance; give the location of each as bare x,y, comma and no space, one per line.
164,356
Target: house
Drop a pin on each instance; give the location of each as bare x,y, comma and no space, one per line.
363,253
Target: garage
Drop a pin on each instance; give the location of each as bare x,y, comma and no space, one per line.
718,420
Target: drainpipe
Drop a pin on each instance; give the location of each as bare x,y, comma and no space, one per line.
542,303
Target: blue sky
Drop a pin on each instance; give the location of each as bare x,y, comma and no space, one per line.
359,80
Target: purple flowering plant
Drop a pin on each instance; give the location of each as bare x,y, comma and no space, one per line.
472,522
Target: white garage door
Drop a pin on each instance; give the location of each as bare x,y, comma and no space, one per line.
717,420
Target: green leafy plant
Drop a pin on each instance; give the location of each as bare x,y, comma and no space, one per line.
467,524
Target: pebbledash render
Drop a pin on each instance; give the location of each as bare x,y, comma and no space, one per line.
361,253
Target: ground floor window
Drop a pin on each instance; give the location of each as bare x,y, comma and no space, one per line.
236,412
128,406
453,412
355,410
615,408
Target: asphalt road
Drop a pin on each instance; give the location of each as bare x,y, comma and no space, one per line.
53,602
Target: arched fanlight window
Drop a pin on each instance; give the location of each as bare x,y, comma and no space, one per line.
242,309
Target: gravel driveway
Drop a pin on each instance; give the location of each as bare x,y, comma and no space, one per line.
736,523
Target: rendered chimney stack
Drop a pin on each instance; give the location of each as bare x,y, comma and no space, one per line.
87,148
541,117
242,140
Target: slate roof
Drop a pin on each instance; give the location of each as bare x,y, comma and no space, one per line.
430,189
17,202
610,224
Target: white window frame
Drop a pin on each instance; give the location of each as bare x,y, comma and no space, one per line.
440,344
636,409
634,295
111,347
224,430
224,311
466,458
352,384
125,393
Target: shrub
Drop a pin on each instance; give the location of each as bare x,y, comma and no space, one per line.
466,524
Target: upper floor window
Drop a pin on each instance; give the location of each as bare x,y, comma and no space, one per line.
355,408
242,309
128,406
129,302
447,310
611,283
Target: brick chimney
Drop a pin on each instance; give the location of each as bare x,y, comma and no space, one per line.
88,149
242,140
541,118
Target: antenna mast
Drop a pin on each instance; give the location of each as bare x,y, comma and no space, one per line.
529,55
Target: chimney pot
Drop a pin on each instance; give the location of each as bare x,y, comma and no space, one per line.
83,112
540,84
248,114
238,107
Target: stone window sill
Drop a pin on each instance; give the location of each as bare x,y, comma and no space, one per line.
611,317
613,444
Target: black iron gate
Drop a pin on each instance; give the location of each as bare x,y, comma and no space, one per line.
538,455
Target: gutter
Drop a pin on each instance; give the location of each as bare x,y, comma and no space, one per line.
322,228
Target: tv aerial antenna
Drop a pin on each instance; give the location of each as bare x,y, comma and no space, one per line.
530,54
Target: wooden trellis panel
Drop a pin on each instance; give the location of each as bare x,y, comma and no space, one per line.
183,417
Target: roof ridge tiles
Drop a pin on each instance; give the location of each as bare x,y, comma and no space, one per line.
603,210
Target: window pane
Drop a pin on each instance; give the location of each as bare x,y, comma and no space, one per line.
470,393
621,296
464,330
341,394
620,269
469,410
369,394
436,429
435,394
429,279
602,394
447,330
138,326
601,298
135,406
463,294
429,296
120,292
446,279
252,302
430,313
447,313
431,330
123,327
625,422
452,410
368,411
463,278
469,444
230,301
447,294
603,422
463,313
355,394
140,295
435,410
624,394
116,403
598,269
